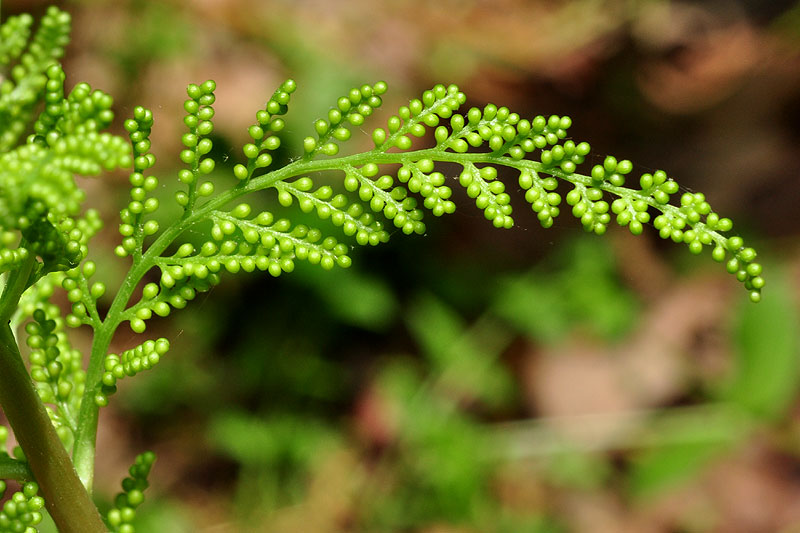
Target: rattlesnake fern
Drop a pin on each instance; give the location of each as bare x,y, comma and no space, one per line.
424,151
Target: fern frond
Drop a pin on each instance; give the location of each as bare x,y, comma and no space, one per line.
56,367
421,178
271,245
132,495
23,89
23,510
480,141
129,363
384,197
179,285
263,132
40,203
134,223
489,194
539,192
350,216
350,110
539,149
438,103
200,111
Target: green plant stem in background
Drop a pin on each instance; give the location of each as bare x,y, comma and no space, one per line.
86,437
16,283
66,499
15,469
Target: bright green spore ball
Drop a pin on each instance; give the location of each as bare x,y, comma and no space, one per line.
206,189
207,165
330,149
380,88
240,171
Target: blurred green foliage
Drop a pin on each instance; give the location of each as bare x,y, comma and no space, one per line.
762,386
684,444
766,375
575,289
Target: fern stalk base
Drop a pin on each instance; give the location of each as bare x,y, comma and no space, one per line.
66,499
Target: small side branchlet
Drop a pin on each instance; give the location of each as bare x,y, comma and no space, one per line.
121,516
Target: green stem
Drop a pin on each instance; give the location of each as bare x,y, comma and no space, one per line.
15,285
66,499
83,451
15,469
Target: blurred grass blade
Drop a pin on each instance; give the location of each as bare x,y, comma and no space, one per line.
681,444
766,339
464,358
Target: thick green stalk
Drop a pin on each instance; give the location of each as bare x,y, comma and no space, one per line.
66,499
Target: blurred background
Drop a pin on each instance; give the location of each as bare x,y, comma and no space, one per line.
475,380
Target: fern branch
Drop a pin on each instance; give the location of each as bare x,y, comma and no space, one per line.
14,469
479,141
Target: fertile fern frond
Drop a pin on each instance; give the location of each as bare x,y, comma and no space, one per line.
428,148
132,495
22,69
391,185
23,510
350,216
129,363
350,110
56,367
40,202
